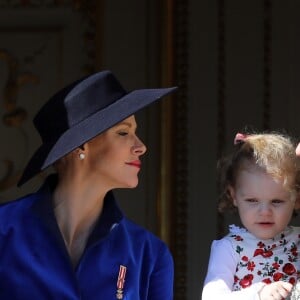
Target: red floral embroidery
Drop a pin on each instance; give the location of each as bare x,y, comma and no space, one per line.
268,262
277,276
246,281
289,269
276,265
258,252
263,253
238,238
294,251
292,280
250,265
260,244
267,253
267,280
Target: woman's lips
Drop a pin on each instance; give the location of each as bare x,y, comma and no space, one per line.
135,163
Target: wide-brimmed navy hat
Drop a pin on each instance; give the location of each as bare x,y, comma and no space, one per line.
81,111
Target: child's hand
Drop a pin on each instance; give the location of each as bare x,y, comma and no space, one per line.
275,291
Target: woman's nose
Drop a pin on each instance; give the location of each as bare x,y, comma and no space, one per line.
139,147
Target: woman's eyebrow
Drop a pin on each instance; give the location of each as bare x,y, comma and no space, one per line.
124,123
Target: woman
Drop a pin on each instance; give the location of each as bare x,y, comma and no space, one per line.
69,240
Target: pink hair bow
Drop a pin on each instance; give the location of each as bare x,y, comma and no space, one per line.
239,138
298,150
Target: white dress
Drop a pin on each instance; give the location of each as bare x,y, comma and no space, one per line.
240,264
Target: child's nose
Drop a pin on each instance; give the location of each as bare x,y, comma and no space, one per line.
265,208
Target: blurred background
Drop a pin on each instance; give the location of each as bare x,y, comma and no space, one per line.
237,67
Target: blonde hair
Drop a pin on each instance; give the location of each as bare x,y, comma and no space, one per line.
273,152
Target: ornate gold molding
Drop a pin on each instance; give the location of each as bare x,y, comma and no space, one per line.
88,9
14,115
173,199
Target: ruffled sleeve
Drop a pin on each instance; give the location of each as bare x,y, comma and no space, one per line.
220,275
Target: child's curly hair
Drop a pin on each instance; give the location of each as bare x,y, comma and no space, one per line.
273,152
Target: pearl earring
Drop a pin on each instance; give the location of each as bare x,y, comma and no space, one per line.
81,156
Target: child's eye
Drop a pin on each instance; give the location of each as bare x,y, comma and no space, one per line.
277,201
251,200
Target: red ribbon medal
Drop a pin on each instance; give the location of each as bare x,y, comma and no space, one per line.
121,282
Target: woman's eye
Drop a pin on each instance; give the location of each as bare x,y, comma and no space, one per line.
122,133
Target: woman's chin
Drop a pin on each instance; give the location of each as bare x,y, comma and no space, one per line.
130,185
134,185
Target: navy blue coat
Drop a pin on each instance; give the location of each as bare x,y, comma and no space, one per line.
35,265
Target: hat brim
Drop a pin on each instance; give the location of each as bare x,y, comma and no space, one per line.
92,126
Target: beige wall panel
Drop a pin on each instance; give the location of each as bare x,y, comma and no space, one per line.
47,47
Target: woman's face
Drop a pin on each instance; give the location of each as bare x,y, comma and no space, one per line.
113,157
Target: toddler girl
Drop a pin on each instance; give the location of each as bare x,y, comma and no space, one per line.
260,180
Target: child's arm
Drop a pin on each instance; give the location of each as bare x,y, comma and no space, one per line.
220,276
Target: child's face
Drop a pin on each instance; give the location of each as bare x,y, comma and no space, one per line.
264,206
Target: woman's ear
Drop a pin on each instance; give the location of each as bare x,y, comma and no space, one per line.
231,192
82,146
